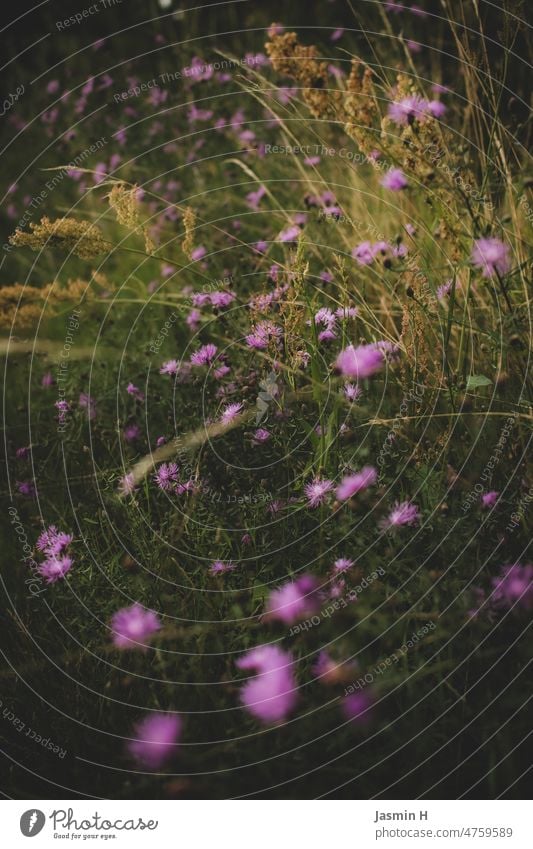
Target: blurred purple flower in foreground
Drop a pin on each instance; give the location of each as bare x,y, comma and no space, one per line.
352,484
272,694
360,362
156,739
294,600
514,586
134,625
491,256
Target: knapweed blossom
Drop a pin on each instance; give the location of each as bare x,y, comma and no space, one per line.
317,491
52,541
395,180
272,695
402,513
170,367
294,600
261,435
360,362
514,587
408,109
342,564
357,706
127,484
156,739
133,627
489,499
166,476
352,392
353,484
204,355
230,413
491,256
55,567
219,567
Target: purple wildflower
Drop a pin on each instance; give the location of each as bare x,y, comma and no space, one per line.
204,355
26,488
514,586
170,367
402,513
290,234
408,109
131,432
134,626
342,564
491,256
54,568
156,739
360,362
261,435
317,490
395,180
127,484
489,499
166,476
352,392
230,413
293,600
272,695
357,706
88,403
220,567
353,484
133,390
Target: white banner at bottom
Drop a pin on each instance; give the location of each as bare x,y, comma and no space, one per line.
262,824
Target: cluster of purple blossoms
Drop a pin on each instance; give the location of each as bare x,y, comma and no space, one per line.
133,627
263,302
262,334
219,299
54,545
329,319
366,252
272,694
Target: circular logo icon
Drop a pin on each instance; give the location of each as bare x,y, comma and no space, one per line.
32,822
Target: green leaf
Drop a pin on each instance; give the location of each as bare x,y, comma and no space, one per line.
477,380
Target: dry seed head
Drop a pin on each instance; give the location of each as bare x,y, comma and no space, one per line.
189,223
81,238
